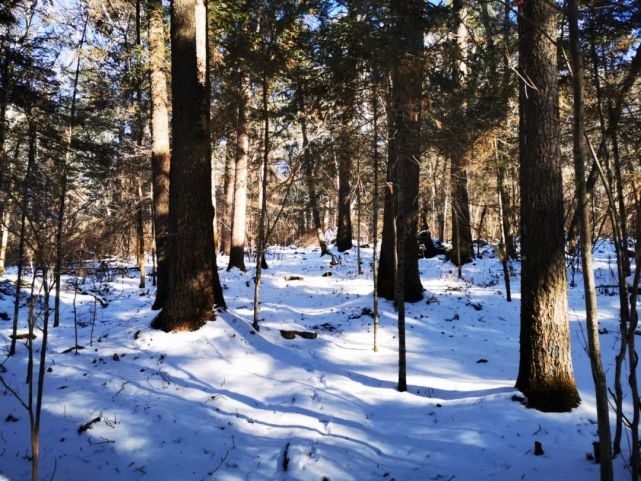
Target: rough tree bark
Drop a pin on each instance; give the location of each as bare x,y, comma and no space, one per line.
545,366
160,155
194,286
237,250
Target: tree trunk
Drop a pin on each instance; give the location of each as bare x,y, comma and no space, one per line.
505,257
310,181
24,203
387,260
462,248
194,286
594,349
160,154
140,235
237,250
64,178
228,195
545,366
262,224
344,234
407,76
375,216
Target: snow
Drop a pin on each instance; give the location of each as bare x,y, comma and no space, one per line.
229,404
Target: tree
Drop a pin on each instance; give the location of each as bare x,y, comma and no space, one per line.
545,365
594,349
407,75
194,286
237,249
160,155
404,156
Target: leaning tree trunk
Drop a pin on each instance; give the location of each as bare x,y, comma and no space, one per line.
194,286
545,374
594,348
237,250
160,154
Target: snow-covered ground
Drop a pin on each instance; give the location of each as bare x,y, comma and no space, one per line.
229,404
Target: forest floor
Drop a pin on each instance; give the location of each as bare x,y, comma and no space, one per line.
229,404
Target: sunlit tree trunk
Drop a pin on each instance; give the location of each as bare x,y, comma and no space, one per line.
237,250
160,155
545,367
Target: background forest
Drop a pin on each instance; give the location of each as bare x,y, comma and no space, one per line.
227,159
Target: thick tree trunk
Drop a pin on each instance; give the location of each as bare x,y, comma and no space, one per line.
545,369
160,154
237,250
344,233
387,260
194,286
407,76
594,349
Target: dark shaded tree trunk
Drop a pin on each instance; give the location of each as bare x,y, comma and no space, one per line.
237,250
387,260
194,286
407,75
344,233
545,374
160,154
